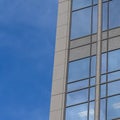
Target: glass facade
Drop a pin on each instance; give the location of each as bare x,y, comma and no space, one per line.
81,85
84,17
81,82
88,61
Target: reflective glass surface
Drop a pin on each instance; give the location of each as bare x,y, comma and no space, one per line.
103,90
113,108
114,60
91,111
77,4
93,66
114,76
114,88
114,13
78,70
104,57
103,78
77,97
102,109
78,85
79,112
105,14
81,22
92,93
92,81
94,24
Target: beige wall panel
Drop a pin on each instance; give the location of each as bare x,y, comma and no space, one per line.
58,72
94,38
114,32
61,44
58,86
104,45
62,31
63,6
56,115
57,102
79,42
104,35
114,43
79,52
60,58
62,19
93,48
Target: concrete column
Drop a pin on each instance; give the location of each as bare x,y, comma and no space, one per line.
98,65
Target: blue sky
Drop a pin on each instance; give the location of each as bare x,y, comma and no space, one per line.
27,38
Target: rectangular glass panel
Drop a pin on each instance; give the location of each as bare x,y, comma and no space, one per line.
77,97
78,85
77,4
114,13
81,23
91,110
105,14
114,60
92,81
104,63
114,88
113,107
92,93
103,109
79,112
103,90
78,69
94,22
114,76
103,78
93,66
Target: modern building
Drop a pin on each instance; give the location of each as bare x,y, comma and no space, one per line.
86,77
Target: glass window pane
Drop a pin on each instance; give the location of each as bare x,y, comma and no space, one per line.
102,109
114,88
77,97
93,66
95,11
78,69
114,13
113,108
78,85
79,112
92,93
114,76
104,63
77,4
103,78
92,81
103,90
114,60
95,1
91,111
104,26
81,23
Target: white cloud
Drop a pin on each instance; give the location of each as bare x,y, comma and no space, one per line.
116,105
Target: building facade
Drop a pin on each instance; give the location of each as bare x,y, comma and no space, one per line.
86,76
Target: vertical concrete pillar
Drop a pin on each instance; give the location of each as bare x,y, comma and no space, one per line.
98,66
60,61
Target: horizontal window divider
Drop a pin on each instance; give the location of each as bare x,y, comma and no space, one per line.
110,96
80,89
84,7
87,102
110,72
110,81
81,80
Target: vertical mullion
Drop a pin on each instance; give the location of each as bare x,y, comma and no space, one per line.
98,65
